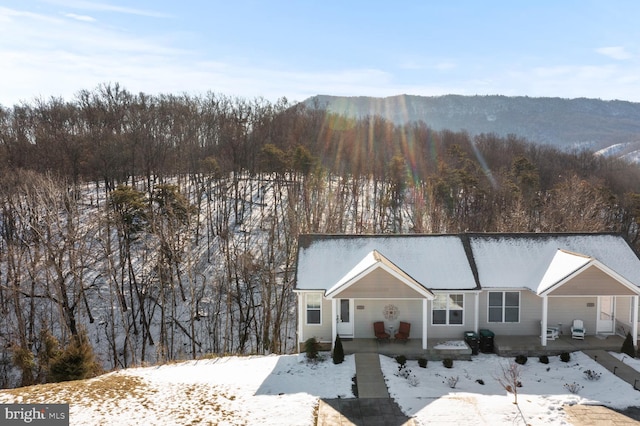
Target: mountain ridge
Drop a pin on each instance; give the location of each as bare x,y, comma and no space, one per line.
578,123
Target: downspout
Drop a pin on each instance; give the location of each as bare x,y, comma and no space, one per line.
300,297
634,323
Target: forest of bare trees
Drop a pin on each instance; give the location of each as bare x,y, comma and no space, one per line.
165,227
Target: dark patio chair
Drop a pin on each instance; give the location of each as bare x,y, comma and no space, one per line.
379,331
403,332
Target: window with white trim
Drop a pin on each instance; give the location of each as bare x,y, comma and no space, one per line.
448,309
504,306
314,305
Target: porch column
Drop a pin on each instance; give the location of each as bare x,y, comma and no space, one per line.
334,321
424,323
634,322
476,319
545,309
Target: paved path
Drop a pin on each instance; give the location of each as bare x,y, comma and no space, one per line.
596,415
373,407
616,366
369,377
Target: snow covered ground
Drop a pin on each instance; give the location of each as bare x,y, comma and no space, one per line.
284,390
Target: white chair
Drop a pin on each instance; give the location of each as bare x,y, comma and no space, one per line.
578,330
552,332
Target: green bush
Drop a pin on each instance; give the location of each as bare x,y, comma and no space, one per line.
311,348
338,351
76,362
422,362
627,346
447,363
521,359
565,357
543,359
401,359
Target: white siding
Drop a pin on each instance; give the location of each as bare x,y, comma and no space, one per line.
372,310
454,331
322,331
530,315
565,309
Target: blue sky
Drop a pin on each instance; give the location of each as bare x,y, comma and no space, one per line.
298,49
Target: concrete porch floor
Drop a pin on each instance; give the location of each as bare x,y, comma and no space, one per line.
412,349
531,346
503,346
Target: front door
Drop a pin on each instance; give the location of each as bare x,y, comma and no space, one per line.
606,314
345,317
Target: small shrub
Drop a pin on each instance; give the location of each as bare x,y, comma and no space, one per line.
573,387
413,380
311,348
565,357
452,381
354,386
401,359
422,362
521,359
406,373
592,375
338,351
76,362
543,359
627,346
447,363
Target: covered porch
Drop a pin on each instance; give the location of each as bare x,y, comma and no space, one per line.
589,291
412,349
531,345
506,346
376,290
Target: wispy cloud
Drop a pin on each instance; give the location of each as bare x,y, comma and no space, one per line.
107,7
615,52
83,18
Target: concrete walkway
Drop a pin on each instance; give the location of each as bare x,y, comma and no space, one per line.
369,376
373,407
615,366
596,415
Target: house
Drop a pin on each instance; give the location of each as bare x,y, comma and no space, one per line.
444,285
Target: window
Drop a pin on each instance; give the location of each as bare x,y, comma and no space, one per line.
448,309
504,306
314,303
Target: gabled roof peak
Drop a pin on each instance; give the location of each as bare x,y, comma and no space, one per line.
573,253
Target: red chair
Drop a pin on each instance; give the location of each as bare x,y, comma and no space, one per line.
381,334
403,332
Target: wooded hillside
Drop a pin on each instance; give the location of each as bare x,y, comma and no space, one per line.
164,227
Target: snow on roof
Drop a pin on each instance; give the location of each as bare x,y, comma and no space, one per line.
523,260
564,263
435,261
440,262
374,260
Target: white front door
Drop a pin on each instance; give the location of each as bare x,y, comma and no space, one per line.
606,314
345,317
